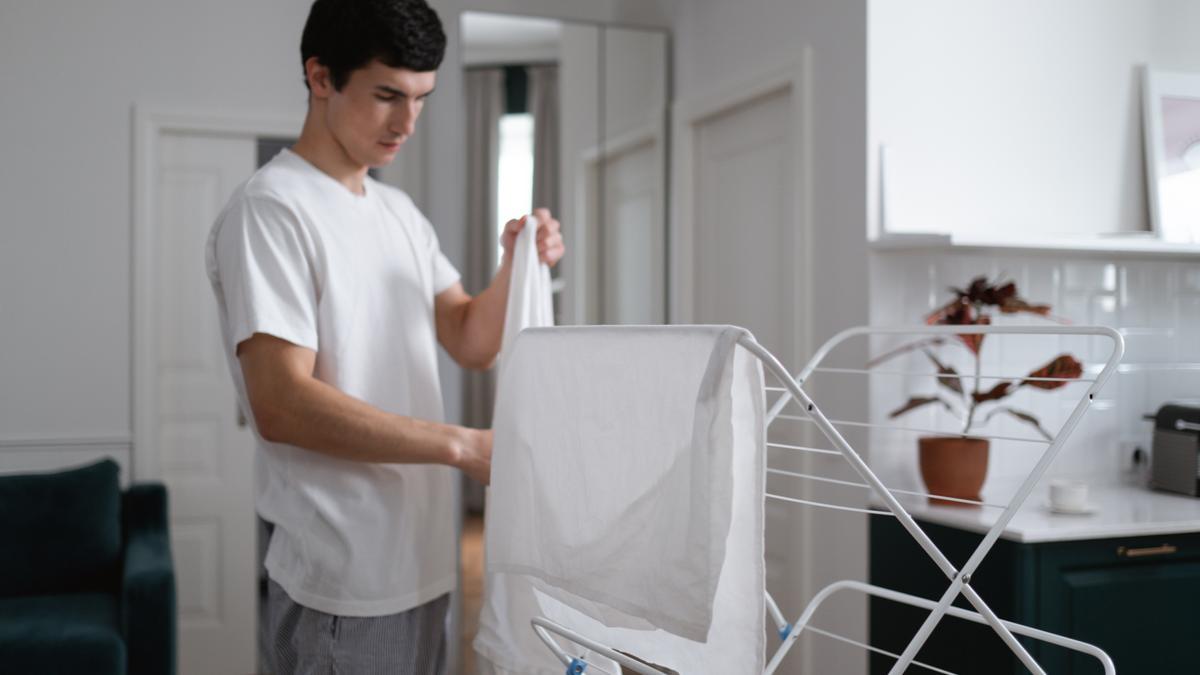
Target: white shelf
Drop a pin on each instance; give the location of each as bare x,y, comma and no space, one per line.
1124,246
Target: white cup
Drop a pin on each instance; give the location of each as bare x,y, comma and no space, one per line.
1068,495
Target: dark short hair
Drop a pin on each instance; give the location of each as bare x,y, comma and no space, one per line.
346,35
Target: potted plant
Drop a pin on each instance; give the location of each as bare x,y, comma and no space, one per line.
955,466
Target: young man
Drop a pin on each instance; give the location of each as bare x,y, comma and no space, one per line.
331,290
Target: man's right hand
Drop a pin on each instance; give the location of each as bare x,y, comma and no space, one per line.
474,454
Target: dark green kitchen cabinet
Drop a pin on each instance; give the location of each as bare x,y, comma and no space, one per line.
1138,598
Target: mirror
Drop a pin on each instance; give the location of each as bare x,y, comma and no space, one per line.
571,116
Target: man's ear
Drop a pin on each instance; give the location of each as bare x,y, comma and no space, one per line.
320,82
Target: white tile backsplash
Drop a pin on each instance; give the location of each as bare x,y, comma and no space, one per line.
1154,303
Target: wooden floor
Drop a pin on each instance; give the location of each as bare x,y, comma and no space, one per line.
472,588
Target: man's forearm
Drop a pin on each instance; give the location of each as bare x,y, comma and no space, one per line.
483,323
316,416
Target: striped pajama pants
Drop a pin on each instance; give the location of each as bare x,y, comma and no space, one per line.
308,642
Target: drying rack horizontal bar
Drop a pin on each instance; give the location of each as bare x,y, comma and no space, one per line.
931,432
872,648
819,451
949,376
848,483
1151,367
823,505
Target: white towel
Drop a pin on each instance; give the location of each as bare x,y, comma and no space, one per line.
627,482
529,298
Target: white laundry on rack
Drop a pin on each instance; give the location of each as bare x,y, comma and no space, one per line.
627,489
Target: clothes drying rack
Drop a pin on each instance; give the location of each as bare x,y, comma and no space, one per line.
792,392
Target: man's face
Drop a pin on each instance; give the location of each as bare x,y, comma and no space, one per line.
376,111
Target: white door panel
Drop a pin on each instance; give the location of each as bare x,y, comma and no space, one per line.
203,456
744,223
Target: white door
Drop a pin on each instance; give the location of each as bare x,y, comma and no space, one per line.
745,243
198,447
744,222
633,248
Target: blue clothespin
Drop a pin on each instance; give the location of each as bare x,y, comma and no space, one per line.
577,667
785,632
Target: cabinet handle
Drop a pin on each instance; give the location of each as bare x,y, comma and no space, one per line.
1165,549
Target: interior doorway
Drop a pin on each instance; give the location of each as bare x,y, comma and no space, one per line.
188,431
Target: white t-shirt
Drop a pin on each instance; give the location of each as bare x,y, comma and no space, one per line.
297,255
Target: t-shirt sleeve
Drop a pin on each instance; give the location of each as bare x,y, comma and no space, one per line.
444,273
264,260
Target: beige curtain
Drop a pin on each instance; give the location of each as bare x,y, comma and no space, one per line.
543,103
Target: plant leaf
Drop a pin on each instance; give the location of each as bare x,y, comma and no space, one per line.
917,402
1023,416
979,291
952,383
959,312
1014,304
946,313
1064,366
975,342
999,391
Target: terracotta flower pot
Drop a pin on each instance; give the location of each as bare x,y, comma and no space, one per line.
953,467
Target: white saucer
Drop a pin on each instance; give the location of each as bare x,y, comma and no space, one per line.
1087,510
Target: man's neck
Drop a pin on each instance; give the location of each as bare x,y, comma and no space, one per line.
321,149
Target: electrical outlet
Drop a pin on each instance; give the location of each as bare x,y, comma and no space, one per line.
1132,454
1135,462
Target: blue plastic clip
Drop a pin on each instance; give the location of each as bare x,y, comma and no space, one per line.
577,667
785,632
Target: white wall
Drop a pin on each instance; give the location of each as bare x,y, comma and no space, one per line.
71,73
635,84
717,43
1020,117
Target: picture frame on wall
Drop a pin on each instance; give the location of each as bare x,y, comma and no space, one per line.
1171,121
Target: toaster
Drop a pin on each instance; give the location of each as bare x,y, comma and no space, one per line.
1175,455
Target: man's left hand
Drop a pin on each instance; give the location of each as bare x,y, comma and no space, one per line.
550,245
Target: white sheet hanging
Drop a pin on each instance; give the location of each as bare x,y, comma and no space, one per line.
627,482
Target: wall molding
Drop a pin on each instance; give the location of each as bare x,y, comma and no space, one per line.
37,453
60,441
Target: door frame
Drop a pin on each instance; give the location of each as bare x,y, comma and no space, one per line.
150,123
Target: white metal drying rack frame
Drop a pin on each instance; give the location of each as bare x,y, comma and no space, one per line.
959,579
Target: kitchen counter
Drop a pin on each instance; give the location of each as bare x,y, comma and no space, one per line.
1118,510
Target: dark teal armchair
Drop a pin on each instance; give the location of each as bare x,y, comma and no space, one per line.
86,579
